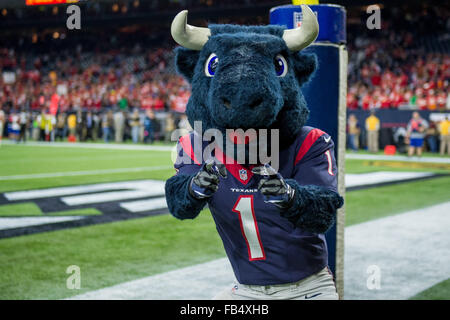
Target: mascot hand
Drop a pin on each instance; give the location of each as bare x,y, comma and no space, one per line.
274,188
206,181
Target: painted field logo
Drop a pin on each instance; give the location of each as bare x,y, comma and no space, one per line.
113,201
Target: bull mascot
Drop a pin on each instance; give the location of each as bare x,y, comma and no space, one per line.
271,218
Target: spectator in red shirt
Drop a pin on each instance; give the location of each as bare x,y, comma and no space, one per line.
366,101
352,102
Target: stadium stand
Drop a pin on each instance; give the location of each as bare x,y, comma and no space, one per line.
128,67
406,68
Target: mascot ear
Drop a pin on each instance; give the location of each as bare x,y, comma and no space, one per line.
304,65
185,61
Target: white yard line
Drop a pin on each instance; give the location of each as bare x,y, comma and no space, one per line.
88,145
373,178
82,173
19,222
397,158
411,249
72,190
145,205
201,281
114,146
351,180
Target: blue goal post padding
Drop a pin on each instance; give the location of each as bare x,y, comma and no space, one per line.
325,95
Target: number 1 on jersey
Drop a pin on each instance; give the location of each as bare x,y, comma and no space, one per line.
249,227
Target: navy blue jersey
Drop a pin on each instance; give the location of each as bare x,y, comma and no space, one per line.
263,247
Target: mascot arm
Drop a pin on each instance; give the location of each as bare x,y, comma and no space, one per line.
181,203
315,183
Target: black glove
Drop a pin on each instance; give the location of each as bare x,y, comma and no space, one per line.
274,188
206,181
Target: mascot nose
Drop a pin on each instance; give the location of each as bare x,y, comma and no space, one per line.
252,104
255,102
226,103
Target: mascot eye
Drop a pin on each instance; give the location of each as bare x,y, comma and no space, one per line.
211,65
281,66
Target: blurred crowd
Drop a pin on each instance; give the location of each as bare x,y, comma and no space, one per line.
100,74
118,125
92,79
423,85
93,71
408,68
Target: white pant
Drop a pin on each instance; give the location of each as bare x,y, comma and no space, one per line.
319,286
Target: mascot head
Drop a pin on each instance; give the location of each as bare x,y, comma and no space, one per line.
246,76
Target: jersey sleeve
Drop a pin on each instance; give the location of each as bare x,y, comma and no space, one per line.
187,160
180,202
315,163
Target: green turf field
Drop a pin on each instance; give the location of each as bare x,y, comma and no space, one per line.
439,291
26,160
34,266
